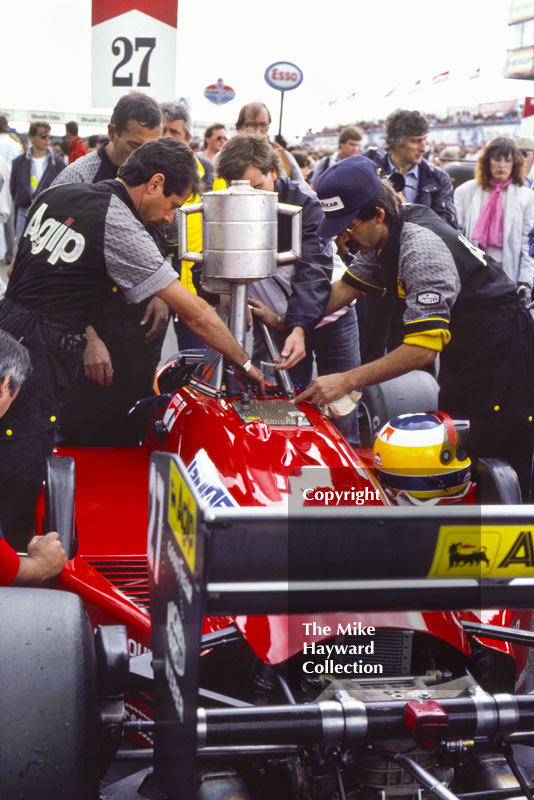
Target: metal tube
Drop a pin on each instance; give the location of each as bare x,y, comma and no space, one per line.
334,722
508,754
287,383
499,633
493,794
247,752
425,778
134,755
238,312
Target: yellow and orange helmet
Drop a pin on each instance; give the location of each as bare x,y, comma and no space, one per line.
418,454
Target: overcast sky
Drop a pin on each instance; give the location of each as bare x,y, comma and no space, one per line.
343,47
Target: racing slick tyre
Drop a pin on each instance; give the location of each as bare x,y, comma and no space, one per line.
415,391
497,482
48,708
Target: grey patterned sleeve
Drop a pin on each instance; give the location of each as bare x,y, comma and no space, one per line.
427,274
132,258
360,274
83,170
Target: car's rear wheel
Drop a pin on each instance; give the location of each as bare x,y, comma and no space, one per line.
48,707
497,482
415,391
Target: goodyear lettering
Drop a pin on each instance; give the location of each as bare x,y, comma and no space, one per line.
332,203
56,237
176,638
521,551
181,571
174,689
135,648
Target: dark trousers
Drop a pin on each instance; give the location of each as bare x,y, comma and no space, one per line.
27,430
95,415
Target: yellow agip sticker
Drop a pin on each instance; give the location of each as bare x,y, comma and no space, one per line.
182,515
484,551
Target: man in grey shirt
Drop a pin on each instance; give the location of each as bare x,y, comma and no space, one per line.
80,241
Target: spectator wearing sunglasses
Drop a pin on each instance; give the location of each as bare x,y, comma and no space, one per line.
256,118
214,140
33,172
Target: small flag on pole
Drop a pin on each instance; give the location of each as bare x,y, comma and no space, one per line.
390,91
528,108
443,76
416,87
476,74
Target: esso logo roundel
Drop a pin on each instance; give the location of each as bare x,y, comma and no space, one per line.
283,76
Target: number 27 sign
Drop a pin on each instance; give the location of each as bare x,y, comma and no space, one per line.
134,49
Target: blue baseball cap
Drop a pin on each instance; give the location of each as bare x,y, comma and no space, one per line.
343,190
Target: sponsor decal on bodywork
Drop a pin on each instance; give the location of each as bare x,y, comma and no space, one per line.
487,551
182,515
207,482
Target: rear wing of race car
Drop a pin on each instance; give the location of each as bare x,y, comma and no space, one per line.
205,560
260,560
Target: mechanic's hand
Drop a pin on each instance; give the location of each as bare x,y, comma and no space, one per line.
225,301
254,375
157,310
342,244
46,558
293,351
326,389
263,312
97,361
524,292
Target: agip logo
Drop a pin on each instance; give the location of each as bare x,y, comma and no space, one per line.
58,238
485,551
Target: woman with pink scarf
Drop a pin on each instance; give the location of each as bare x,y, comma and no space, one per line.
496,211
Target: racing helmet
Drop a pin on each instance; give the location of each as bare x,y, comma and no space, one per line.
417,454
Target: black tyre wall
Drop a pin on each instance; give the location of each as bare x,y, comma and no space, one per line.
48,709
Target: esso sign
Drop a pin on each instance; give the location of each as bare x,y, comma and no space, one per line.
283,76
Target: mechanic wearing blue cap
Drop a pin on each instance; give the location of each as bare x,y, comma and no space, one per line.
458,302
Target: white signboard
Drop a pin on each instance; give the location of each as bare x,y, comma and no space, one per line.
134,49
283,75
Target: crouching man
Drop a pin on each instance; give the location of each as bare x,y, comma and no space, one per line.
46,557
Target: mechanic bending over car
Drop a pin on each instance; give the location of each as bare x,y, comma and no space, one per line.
78,242
458,302
292,304
46,556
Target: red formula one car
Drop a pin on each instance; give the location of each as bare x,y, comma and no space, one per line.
279,492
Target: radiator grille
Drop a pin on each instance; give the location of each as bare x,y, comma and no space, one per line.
273,412
392,649
130,575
